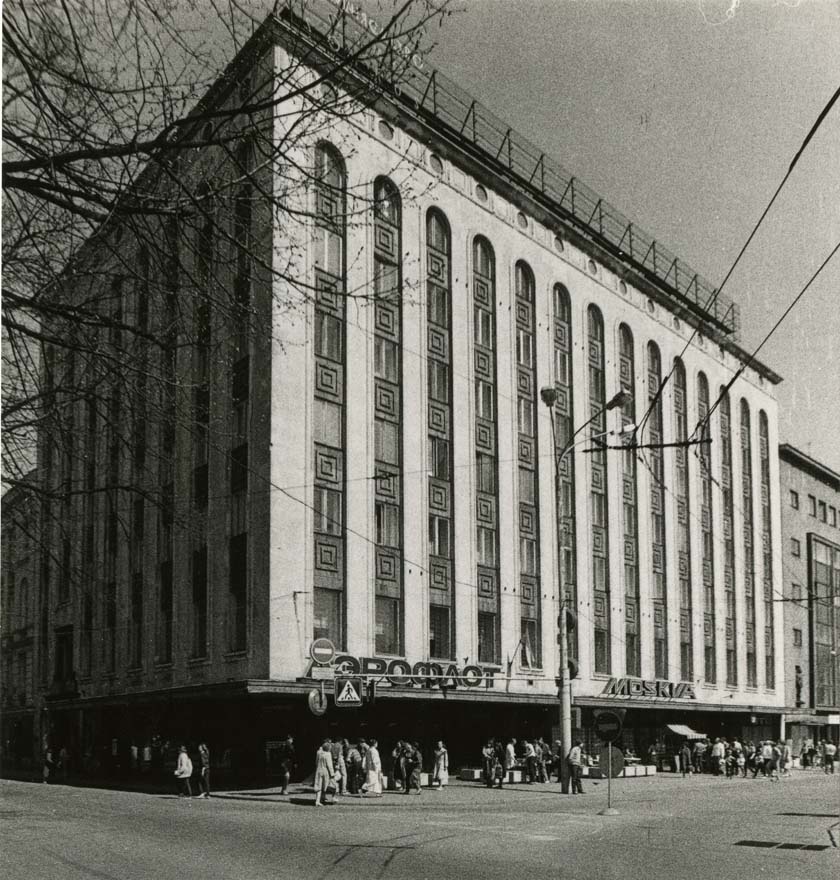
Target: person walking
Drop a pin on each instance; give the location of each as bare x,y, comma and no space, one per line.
413,768
488,762
441,771
575,762
355,771
530,762
183,772
324,772
685,759
204,777
339,767
373,771
697,754
829,757
49,765
286,761
766,757
510,758
718,755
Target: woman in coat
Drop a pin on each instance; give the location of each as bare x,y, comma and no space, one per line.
183,771
324,772
441,771
373,771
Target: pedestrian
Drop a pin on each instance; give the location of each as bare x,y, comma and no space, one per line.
718,757
685,759
510,757
286,762
575,762
697,754
829,756
204,772
786,761
353,761
398,765
324,772
530,762
775,761
373,771
741,764
488,762
64,762
183,772
441,771
49,765
414,768
339,767
766,757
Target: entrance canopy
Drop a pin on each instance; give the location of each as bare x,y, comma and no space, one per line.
686,731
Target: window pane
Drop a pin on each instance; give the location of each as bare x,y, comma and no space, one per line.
328,336
327,623
385,359
439,454
387,626
385,442
486,637
526,486
439,640
327,423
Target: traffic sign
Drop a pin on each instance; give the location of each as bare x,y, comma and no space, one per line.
322,651
348,691
322,673
608,726
611,761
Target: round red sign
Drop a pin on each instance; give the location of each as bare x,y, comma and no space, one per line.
322,651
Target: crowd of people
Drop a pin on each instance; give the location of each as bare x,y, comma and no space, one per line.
769,758
537,759
355,768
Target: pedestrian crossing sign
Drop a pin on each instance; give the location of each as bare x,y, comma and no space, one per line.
348,691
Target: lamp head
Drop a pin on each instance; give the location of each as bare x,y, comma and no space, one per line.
548,395
623,397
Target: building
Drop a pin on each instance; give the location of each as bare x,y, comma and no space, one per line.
811,564
20,600
368,459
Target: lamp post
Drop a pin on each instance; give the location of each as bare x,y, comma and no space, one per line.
548,396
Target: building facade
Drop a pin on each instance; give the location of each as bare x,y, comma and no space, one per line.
377,468
810,495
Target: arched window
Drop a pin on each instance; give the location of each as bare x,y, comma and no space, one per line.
767,549
487,498
683,527
329,403
747,514
440,452
657,514
629,512
598,495
527,446
563,415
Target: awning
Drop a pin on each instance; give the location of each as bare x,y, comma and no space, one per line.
686,731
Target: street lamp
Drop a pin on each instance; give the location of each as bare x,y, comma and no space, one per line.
548,396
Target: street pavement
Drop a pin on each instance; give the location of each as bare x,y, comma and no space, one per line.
667,828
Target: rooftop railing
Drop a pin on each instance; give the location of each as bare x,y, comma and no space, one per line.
343,28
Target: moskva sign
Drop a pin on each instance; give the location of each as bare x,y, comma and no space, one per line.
649,688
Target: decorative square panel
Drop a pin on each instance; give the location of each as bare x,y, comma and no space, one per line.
627,490
386,484
527,591
385,240
523,315
561,336
706,518
483,364
437,343
624,371
327,465
708,625
599,543
565,468
562,402
656,559
707,574
438,419
437,268
384,319
326,556
630,613
727,527
729,578
326,379
599,606
683,564
481,292
594,353
630,551
385,400
439,575
325,294
524,383
655,500
526,450
682,511
386,565
486,584
730,631
485,511
685,623
658,617
526,520
597,477
439,497
484,436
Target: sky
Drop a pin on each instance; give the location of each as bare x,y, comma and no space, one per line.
686,116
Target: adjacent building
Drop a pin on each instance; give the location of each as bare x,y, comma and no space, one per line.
810,494
366,458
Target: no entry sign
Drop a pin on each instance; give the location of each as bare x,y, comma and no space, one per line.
322,651
608,726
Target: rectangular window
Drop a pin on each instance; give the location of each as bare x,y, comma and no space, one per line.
239,469
484,399
328,615
386,442
439,638
486,637
823,511
602,656
561,367
795,547
438,381
526,486
797,638
387,638
135,647
237,592
385,358
833,515
485,473
530,646
386,282
599,573
439,457
438,536
240,381
199,602
812,505
64,654
486,546
328,518
527,556
326,428
110,644
525,416
483,328
599,509
328,251
524,349
438,305
794,500
164,650
328,335
387,524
